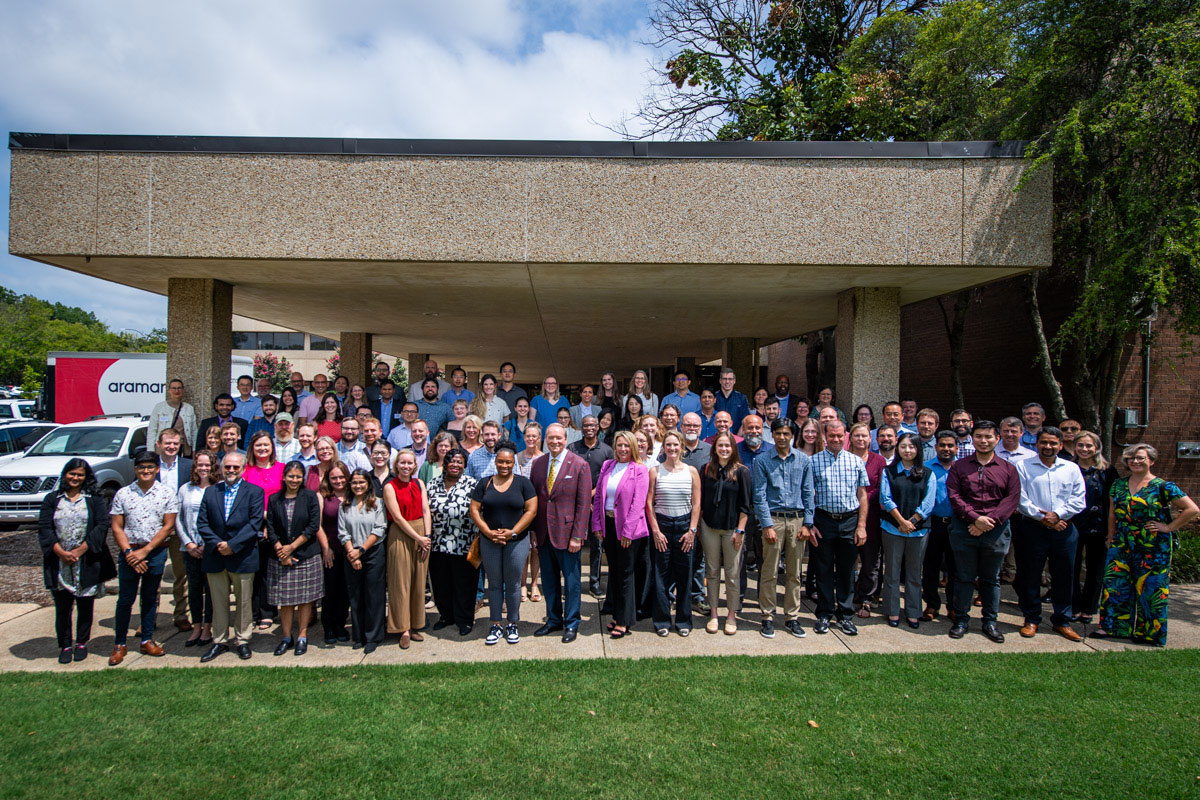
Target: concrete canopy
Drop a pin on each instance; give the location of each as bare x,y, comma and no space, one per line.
568,258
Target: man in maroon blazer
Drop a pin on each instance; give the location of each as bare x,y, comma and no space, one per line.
564,488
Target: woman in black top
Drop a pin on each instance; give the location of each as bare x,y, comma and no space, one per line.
631,415
608,425
295,578
73,533
1092,525
724,510
502,508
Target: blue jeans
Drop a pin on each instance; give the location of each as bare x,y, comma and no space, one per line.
672,569
1033,544
563,595
130,584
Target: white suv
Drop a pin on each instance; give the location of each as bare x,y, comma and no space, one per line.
107,443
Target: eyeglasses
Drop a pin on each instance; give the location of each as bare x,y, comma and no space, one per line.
232,468
1070,430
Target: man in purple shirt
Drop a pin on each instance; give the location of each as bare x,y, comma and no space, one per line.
984,491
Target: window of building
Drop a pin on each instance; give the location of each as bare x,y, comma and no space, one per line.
321,343
267,340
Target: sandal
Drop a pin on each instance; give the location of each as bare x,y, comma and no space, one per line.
534,596
865,611
264,624
609,627
730,627
616,634
713,625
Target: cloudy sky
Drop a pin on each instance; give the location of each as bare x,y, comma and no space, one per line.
527,69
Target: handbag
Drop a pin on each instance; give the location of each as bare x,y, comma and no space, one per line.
473,556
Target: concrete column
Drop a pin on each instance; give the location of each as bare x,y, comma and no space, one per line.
867,347
355,362
739,355
688,363
416,365
199,338
473,381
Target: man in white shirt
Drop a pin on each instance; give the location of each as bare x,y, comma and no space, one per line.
420,441
1010,447
1052,493
400,436
885,442
891,416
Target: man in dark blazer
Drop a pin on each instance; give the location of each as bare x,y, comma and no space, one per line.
783,389
174,471
223,405
230,522
564,486
386,408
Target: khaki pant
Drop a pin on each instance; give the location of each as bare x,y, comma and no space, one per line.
405,580
720,552
787,540
179,604
219,584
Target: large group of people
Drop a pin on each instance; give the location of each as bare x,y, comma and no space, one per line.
361,507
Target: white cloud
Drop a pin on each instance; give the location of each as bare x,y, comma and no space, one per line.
535,69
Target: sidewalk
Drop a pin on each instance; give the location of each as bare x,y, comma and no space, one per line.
27,639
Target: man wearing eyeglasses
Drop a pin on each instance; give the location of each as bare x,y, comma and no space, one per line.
230,521
683,398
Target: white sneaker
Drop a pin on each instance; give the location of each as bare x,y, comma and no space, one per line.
494,635
512,637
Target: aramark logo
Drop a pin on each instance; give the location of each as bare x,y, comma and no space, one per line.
141,388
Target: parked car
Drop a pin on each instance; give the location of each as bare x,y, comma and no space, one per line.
18,435
108,443
17,409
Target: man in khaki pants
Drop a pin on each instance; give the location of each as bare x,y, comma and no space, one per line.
174,471
783,504
230,522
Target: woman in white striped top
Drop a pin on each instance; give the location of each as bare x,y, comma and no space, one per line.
673,511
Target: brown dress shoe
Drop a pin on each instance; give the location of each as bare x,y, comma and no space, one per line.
118,655
404,640
930,615
1029,630
1068,633
152,648
183,625
416,636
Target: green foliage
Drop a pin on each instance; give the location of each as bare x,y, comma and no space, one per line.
277,368
399,375
30,328
1185,562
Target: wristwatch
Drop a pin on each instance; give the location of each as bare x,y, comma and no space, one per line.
127,551
692,530
739,531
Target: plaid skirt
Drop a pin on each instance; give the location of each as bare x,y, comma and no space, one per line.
303,582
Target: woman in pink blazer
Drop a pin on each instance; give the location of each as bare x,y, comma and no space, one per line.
619,521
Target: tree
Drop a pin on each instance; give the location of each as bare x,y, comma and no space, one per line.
749,69
275,368
398,375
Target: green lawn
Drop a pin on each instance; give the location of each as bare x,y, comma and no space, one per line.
914,726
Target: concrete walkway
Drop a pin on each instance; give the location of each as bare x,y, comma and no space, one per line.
27,639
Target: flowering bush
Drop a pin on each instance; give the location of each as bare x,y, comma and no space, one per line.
275,368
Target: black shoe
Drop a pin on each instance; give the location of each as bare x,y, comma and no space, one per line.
594,590
204,642
356,646
793,627
992,632
822,625
569,635
301,646
441,623
369,648
81,651
914,623
465,630
958,629
330,640
848,627
283,647
768,629
547,629
64,657
213,652
243,651
191,643
343,637
895,623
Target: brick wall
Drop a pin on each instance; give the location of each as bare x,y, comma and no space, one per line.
999,376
